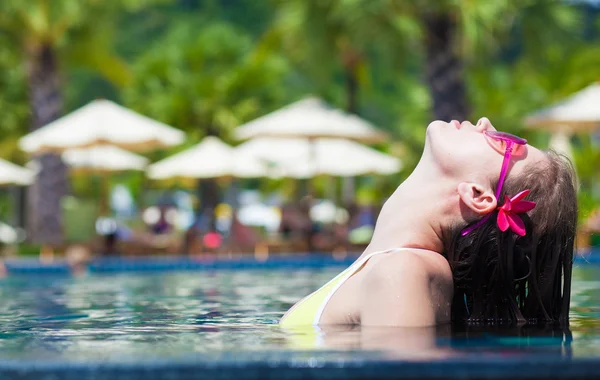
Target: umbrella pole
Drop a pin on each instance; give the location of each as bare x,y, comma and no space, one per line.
104,193
348,190
140,204
231,192
208,194
17,194
330,190
13,202
312,161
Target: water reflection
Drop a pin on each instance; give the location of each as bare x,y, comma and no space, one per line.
439,342
174,315
394,342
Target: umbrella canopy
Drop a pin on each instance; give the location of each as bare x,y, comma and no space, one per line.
310,118
301,158
103,158
211,158
102,122
11,174
579,111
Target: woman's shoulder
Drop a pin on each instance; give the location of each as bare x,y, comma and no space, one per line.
406,288
411,263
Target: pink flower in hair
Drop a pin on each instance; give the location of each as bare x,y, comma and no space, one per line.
508,213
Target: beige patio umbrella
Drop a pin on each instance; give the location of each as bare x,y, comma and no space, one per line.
211,158
579,112
301,158
102,122
310,118
11,174
103,160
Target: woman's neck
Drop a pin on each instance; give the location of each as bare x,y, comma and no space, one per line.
412,217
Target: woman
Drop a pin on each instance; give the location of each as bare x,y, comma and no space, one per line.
457,241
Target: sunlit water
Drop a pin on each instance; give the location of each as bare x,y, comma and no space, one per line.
176,314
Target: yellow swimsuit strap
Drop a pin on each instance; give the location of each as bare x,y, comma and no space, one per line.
309,310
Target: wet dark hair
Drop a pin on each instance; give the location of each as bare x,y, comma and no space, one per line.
500,277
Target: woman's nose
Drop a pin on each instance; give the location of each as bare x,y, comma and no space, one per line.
484,124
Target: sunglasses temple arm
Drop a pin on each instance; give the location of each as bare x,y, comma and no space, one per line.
473,227
504,170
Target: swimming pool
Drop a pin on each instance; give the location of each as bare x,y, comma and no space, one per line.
220,322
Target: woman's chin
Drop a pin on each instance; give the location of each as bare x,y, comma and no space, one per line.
436,127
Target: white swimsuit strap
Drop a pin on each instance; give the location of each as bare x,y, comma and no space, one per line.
350,271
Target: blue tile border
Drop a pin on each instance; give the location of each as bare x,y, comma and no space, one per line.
175,263
290,366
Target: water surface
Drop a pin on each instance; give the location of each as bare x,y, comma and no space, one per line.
172,315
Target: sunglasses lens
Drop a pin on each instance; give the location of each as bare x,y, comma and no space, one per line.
498,144
500,141
506,137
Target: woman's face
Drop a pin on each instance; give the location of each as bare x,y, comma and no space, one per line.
463,152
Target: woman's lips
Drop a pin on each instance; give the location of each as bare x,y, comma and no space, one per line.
456,124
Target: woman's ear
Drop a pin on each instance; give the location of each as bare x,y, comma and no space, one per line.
481,200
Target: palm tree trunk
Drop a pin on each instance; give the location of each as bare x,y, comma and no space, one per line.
44,222
351,60
444,68
351,90
209,194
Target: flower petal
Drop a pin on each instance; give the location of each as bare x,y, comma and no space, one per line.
502,220
516,224
522,206
520,196
507,204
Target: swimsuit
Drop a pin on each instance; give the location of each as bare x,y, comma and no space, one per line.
310,309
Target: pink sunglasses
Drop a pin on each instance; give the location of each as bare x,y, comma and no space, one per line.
510,141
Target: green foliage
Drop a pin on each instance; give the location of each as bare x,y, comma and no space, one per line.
13,95
328,40
206,79
208,66
26,249
587,203
81,33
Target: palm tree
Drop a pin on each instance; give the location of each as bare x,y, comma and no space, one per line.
48,34
458,33
325,38
444,69
449,34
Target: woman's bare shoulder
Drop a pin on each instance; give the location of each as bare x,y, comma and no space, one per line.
416,261
406,288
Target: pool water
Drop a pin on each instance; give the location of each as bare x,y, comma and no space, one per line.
174,315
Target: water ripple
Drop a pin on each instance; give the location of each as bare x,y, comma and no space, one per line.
169,315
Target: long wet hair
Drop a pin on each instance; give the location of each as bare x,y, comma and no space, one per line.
500,277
